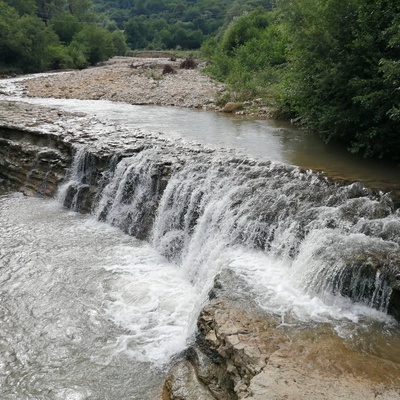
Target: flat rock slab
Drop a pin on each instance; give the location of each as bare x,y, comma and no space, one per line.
269,361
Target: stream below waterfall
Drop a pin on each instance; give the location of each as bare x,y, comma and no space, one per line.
91,313
88,312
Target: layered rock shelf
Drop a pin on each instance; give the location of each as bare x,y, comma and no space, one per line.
240,353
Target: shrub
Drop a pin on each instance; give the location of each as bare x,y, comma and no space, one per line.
168,69
188,63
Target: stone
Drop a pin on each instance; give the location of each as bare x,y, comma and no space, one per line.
274,366
230,107
182,384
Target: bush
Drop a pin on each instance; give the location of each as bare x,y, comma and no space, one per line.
250,56
168,69
95,43
58,57
343,78
188,63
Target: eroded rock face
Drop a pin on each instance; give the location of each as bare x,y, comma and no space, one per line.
38,146
264,359
184,384
33,163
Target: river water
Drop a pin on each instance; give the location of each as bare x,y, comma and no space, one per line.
263,139
91,313
84,307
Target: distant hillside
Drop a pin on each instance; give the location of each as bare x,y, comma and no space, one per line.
176,24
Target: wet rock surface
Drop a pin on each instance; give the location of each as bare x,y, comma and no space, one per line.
263,359
38,145
32,161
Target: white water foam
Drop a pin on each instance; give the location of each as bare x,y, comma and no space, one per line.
148,298
278,291
152,300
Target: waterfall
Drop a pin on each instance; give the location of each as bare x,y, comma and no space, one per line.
81,169
129,200
203,211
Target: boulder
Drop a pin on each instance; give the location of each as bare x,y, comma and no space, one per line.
230,107
183,384
267,360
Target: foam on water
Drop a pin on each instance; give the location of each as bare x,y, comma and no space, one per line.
153,301
278,291
148,299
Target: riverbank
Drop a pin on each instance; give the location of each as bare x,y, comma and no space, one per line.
142,81
132,80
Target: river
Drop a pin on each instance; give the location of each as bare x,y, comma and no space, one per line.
89,312
263,139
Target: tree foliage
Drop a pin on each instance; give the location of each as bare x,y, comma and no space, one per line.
249,54
170,24
36,35
332,63
343,75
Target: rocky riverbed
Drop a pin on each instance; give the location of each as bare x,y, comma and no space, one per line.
143,81
134,81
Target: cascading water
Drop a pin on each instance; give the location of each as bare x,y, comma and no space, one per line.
84,304
207,212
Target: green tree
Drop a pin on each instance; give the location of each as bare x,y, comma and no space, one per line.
79,8
11,38
66,26
243,29
54,38
136,30
23,6
118,41
250,55
342,75
47,9
37,38
95,43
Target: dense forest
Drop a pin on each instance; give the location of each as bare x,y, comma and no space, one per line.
176,24
332,65
38,35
